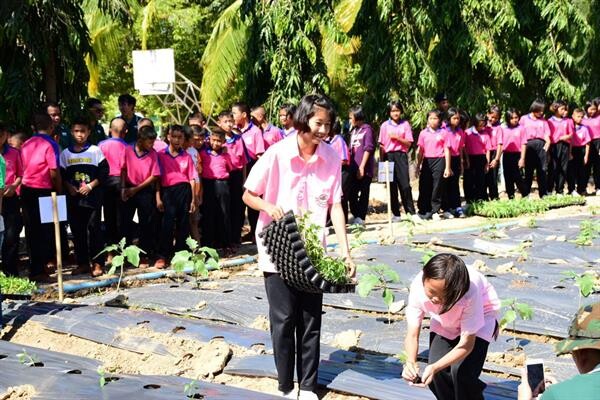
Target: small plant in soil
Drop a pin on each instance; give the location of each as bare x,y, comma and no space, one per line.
586,282
191,389
15,285
122,253
101,376
199,258
378,276
357,231
30,360
513,311
330,268
427,255
588,231
532,223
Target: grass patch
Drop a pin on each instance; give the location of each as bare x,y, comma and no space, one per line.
13,285
516,207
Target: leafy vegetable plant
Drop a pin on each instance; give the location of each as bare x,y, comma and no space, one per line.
586,282
357,231
15,285
513,311
131,254
101,376
588,231
427,255
515,207
378,277
190,389
200,259
27,359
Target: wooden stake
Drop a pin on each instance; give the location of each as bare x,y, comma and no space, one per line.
389,200
61,294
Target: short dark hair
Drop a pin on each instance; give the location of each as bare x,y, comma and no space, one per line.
218,132
556,104
306,110
224,113
509,113
91,102
81,119
198,115
437,113
358,113
336,128
198,130
452,111
41,121
495,109
440,96
146,119
578,111
47,104
588,104
243,107
146,132
478,118
538,105
397,104
454,272
464,118
289,108
127,98
596,101
176,128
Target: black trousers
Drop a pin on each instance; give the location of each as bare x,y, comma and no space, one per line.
358,196
176,219
252,213
557,166
216,222
39,237
13,223
451,195
87,233
512,173
295,320
535,160
474,178
144,202
491,179
346,186
431,185
113,208
593,166
459,381
577,175
400,182
236,205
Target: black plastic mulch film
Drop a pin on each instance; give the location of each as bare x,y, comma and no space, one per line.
284,245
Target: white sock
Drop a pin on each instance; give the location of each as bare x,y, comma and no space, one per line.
289,395
307,395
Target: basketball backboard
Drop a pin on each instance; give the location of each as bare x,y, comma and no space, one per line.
154,71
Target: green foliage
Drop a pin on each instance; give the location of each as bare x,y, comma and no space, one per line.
122,254
191,388
199,258
377,277
588,231
357,230
427,255
515,207
332,269
586,282
27,359
532,223
101,376
513,311
15,285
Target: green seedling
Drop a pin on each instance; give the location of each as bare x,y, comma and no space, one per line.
191,388
588,231
586,282
378,276
200,259
101,376
332,269
357,231
532,223
16,285
25,358
122,253
513,311
516,207
428,255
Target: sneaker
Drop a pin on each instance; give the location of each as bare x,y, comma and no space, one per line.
460,213
289,395
575,194
436,217
447,215
307,395
396,218
358,221
416,219
598,192
424,217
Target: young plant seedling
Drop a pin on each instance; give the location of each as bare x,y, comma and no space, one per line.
191,389
427,255
101,376
15,285
378,277
588,231
586,282
200,259
513,311
357,231
28,359
532,223
131,254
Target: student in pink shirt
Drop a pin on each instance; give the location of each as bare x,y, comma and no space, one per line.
592,122
216,214
286,119
302,174
139,174
39,155
561,131
338,143
491,177
395,140
477,161
513,155
537,132
271,133
362,147
455,137
577,177
175,196
113,149
11,205
433,164
463,310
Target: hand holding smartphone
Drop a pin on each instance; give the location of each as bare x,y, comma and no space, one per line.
535,375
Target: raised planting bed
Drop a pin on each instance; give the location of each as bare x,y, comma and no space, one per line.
516,207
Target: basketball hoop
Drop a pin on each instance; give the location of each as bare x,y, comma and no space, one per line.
154,71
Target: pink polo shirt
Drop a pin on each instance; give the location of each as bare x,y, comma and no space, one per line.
433,142
513,138
402,130
341,148
176,169
114,152
476,143
14,165
253,139
139,167
272,135
581,137
39,155
495,135
593,125
215,166
283,178
475,313
560,127
534,128
455,140
159,145
237,151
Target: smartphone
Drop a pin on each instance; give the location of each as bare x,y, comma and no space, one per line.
535,375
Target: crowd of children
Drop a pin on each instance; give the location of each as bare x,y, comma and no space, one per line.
192,182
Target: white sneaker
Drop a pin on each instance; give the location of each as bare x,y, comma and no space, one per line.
358,221
575,194
292,394
307,395
396,218
598,192
435,217
447,215
416,219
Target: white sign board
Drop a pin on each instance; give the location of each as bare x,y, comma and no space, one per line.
154,71
46,214
381,175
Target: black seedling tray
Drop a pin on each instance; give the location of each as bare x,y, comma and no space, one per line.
285,247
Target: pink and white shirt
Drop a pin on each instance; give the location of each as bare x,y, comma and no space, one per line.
253,139
513,138
593,125
455,141
476,143
139,167
534,128
560,127
14,165
475,313
39,155
272,135
402,130
237,151
215,165
433,142
114,152
341,148
283,178
176,169
581,137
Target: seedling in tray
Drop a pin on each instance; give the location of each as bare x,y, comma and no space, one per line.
200,259
514,310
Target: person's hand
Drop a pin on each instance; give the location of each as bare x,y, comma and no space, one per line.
361,173
487,168
160,205
448,173
273,211
127,193
72,191
428,374
521,163
494,163
524,391
410,371
10,190
546,148
192,206
585,160
350,268
84,190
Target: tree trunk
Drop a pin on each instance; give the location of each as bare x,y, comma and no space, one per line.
50,80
